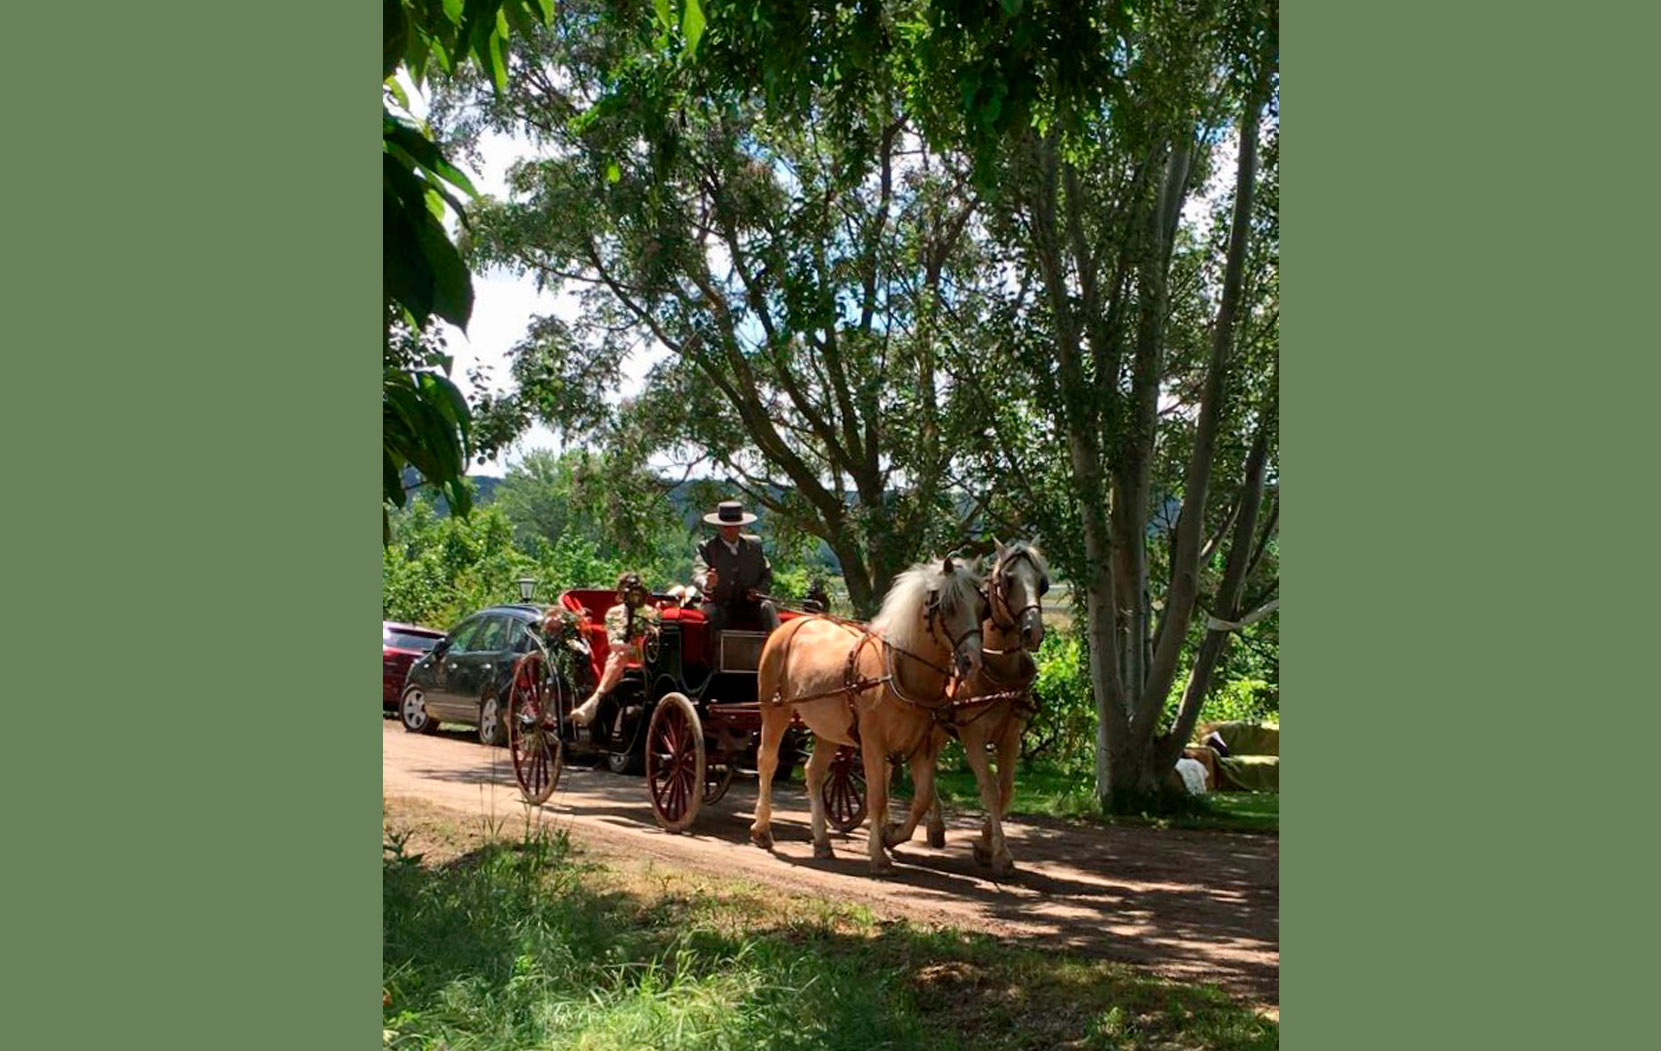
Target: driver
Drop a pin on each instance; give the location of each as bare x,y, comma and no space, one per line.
626,625
733,572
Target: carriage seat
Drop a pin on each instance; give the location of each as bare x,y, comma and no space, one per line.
591,604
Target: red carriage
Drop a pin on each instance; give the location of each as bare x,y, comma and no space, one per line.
686,715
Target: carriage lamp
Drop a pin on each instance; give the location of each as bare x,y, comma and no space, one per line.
527,588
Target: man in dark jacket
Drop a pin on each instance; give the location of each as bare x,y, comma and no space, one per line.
733,573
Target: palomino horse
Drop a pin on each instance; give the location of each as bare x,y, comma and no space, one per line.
879,688
1013,631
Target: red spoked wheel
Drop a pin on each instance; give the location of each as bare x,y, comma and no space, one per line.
534,711
844,789
717,779
675,769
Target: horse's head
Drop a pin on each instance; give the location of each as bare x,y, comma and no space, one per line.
1016,587
955,608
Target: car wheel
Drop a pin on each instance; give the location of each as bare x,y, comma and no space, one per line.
412,710
492,730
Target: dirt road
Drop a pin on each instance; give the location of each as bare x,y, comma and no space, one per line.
1199,906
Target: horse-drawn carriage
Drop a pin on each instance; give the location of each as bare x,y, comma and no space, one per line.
687,714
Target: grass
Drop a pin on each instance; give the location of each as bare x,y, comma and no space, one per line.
493,942
1049,792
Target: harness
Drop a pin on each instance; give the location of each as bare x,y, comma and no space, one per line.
943,707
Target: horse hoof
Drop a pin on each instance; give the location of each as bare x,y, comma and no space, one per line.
983,856
937,838
1003,865
891,836
823,851
763,839
882,868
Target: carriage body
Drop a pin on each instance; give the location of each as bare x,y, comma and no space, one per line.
686,714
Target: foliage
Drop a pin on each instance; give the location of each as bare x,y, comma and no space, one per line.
425,420
436,570
516,944
1063,730
790,276
919,272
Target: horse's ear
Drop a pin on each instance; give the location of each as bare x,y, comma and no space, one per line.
950,569
999,544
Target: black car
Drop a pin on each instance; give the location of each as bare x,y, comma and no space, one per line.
465,678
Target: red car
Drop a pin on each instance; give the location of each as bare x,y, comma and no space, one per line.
401,646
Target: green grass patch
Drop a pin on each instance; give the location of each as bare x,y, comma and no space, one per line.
517,944
1048,792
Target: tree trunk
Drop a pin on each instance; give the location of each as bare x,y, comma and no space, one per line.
1179,603
1229,593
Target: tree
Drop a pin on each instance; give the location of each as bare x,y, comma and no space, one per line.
795,276
985,200
1093,207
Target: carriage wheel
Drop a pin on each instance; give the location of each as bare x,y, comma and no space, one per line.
844,789
717,779
533,728
675,770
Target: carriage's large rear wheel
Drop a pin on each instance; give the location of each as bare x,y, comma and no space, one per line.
534,712
675,769
844,789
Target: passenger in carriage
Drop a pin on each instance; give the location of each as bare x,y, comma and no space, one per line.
733,573
626,626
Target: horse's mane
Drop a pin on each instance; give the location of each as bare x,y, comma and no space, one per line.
901,617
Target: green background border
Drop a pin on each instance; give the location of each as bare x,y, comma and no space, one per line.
1464,442
191,370
193,274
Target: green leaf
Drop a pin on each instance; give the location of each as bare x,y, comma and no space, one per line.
664,16
498,62
397,90
692,24
395,36
613,172
409,137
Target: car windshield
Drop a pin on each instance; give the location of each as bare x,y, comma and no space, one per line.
404,640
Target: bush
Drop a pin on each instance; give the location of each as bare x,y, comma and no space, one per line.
1063,731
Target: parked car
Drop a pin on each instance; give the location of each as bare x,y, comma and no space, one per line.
466,676
401,646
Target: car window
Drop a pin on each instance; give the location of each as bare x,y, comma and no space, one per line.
408,640
491,637
519,640
461,636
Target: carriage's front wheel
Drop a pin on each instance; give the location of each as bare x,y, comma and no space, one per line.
717,779
675,767
844,789
533,729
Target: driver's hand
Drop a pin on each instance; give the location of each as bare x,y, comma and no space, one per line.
752,594
712,580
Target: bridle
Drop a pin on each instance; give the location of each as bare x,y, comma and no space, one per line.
997,591
936,620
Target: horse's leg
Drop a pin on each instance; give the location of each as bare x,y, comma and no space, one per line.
922,780
1009,752
974,749
937,819
818,766
773,722
876,799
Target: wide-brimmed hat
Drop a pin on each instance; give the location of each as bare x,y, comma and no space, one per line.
729,513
